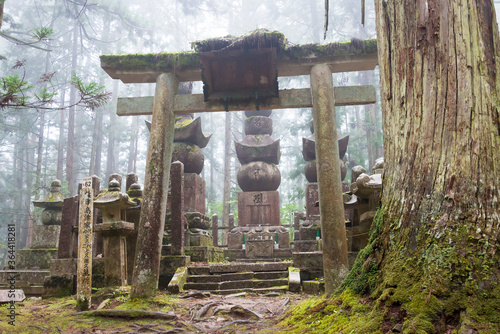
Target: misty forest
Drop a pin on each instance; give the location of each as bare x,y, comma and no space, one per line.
354,188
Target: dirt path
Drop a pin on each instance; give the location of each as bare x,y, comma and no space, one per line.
188,313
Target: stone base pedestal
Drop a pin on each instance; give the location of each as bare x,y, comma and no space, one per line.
308,260
35,258
258,208
235,237
205,253
62,279
200,238
57,286
45,236
115,250
259,249
306,245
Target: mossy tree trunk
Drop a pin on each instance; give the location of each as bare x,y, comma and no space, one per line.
434,249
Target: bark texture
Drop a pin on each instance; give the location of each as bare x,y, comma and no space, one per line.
434,248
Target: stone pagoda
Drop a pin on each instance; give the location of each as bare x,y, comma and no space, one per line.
259,233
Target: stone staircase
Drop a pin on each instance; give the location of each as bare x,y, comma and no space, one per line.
233,278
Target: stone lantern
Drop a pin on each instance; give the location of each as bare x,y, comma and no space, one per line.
114,230
47,235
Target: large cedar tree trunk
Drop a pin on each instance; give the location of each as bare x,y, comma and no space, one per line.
434,250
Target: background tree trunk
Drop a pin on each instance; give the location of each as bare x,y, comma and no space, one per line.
227,177
434,248
71,117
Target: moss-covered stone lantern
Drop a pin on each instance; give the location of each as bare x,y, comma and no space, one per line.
114,230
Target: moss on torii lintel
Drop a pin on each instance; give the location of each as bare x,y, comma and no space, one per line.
190,60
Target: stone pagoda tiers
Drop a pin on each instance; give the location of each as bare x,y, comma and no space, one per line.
242,74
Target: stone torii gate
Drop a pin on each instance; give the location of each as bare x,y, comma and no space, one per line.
257,60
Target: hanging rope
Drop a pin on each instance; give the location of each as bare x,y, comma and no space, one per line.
327,4
363,12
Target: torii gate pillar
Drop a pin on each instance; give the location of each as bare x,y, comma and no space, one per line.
333,232
154,205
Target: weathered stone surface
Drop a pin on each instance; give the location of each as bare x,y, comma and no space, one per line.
294,279
190,132
356,171
204,278
258,148
258,125
59,267
241,267
205,253
365,185
176,285
52,216
45,236
309,147
58,286
152,221
215,230
199,237
54,198
310,231
194,193
311,199
23,277
114,228
67,238
35,258
311,172
201,270
132,178
309,260
7,296
177,200
259,249
259,176
313,287
170,263
306,246
237,276
288,98
197,220
259,208
190,155
329,181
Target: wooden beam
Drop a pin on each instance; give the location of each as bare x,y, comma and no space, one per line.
291,98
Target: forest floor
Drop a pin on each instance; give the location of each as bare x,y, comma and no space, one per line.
193,312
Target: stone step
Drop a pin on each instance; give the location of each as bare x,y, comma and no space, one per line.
235,285
280,289
271,274
242,267
205,270
204,278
